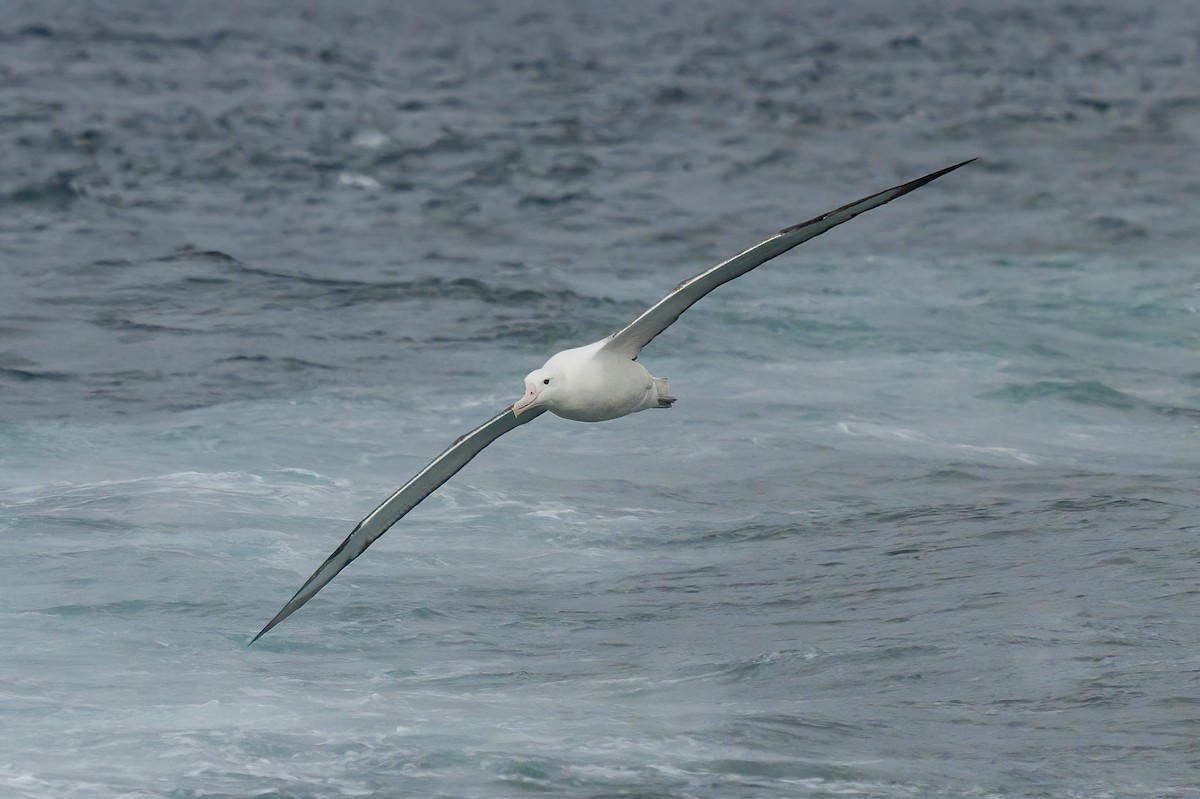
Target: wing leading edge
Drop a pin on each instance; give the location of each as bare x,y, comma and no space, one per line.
641,331
394,508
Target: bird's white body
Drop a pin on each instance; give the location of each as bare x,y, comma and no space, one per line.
593,383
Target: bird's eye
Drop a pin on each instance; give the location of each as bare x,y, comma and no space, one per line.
546,382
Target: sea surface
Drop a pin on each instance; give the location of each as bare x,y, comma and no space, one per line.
924,521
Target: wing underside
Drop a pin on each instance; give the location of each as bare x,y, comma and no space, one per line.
638,333
407,497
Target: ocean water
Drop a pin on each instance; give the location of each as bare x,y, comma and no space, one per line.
924,521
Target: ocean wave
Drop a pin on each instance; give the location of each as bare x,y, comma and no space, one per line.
1085,392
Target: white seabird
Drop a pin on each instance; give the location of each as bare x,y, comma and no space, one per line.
594,383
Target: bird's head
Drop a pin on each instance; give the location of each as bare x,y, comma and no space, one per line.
542,386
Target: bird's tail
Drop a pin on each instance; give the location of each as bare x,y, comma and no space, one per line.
660,388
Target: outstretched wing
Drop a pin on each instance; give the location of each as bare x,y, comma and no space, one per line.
439,470
641,331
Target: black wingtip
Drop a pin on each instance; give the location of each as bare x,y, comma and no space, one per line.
866,202
264,630
940,172
905,188
932,176
297,602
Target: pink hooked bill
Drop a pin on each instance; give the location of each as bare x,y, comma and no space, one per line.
525,401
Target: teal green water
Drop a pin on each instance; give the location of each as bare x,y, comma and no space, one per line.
903,561
922,523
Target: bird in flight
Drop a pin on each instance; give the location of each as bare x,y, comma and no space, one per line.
593,383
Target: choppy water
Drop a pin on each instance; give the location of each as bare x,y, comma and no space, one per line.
923,523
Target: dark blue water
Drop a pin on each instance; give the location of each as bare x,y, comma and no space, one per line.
924,521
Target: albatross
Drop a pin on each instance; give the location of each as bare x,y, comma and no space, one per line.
593,383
